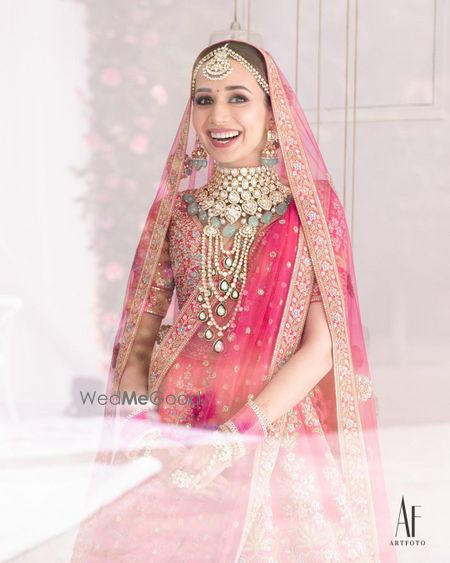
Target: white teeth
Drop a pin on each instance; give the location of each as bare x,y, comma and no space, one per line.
228,135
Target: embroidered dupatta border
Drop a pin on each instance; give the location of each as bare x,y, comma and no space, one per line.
314,226
157,233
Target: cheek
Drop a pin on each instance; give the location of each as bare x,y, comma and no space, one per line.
195,119
253,123
198,118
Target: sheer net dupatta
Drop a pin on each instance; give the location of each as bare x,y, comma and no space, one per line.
346,431
348,417
149,271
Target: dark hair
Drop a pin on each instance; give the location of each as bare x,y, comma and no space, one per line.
250,54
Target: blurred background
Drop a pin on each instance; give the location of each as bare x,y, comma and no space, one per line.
92,94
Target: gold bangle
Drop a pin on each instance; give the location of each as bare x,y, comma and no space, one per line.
238,445
264,421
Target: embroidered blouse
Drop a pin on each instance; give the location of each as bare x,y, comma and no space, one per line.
179,264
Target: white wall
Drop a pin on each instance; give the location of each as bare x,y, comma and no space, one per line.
43,253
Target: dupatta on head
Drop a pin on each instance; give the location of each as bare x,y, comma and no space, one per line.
321,251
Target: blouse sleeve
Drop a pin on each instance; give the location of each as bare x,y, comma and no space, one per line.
160,292
316,296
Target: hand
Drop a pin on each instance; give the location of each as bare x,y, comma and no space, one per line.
193,461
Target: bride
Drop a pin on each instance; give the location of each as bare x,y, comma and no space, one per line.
259,369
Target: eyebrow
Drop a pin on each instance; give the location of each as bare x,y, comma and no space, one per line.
226,88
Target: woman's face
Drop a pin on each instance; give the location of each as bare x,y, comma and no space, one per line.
233,105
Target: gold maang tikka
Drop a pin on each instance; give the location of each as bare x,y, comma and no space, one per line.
218,66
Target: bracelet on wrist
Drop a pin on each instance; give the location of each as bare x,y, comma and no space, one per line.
265,422
237,443
223,453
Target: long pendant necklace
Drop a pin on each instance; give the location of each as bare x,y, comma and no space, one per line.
248,196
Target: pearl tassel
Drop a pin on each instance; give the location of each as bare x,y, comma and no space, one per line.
251,195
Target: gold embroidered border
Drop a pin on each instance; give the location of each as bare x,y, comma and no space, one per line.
353,456
156,242
174,341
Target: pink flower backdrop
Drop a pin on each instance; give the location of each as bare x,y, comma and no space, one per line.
136,62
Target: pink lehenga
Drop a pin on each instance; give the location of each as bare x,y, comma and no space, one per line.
313,493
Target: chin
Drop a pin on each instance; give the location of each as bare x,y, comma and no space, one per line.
235,161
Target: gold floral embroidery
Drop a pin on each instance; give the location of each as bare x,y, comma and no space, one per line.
312,206
161,290
364,386
315,296
155,234
320,244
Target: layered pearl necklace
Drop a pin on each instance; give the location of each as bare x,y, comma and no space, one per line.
245,196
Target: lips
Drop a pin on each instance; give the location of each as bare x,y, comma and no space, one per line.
226,142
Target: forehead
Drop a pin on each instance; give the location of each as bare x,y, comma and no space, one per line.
239,75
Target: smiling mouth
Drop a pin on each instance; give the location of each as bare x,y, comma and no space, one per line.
224,141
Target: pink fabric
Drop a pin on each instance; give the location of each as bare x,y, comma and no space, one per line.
250,349
317,491
247,422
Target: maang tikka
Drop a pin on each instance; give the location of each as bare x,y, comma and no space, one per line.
218,66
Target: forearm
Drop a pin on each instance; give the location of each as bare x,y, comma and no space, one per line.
295,379
134,379
135,374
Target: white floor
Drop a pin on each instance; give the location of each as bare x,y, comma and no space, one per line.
46,464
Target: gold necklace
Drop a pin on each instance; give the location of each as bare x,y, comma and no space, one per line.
249,196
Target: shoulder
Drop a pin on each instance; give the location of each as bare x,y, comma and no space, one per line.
181,196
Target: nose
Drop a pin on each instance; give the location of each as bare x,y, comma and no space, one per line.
219,113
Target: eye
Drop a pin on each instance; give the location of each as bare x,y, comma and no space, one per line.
200,100
240,97
205,100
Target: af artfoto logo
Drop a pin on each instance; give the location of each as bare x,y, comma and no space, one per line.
405,532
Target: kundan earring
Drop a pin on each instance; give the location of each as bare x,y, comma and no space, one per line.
187,166
199,156
269,153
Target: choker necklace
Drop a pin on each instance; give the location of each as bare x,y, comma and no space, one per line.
232,204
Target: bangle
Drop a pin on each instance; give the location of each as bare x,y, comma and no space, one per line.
237,445
265,422
222,453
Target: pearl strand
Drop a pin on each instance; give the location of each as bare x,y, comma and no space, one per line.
251,195
206,295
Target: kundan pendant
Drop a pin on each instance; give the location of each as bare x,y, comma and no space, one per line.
232,204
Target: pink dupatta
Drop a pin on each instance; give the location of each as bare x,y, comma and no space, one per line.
318,490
